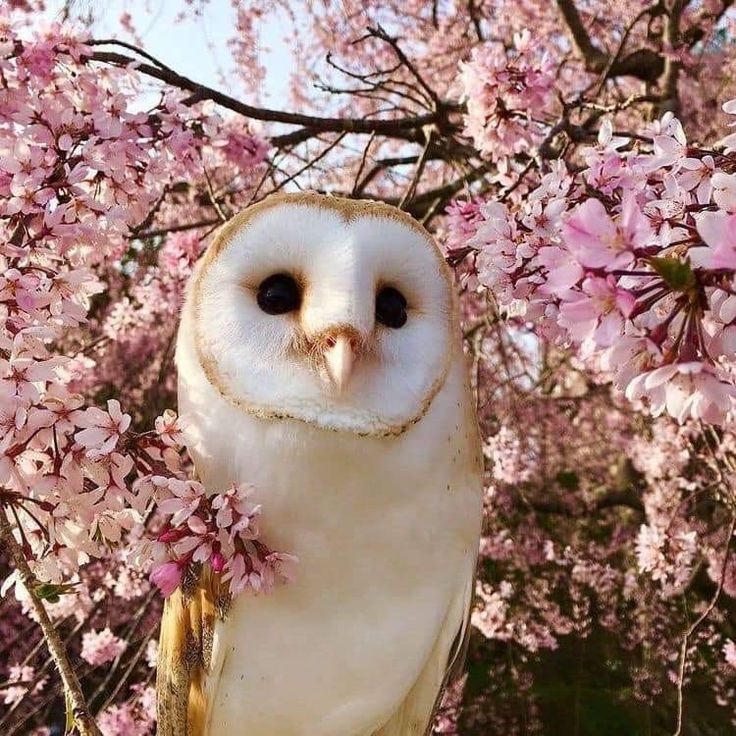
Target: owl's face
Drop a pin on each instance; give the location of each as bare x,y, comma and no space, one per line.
335,312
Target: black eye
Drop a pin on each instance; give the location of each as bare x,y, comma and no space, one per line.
279,294
391,307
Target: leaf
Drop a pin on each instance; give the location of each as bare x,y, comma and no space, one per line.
675,273
51,591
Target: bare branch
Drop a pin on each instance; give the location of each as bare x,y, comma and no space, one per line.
418,171
672,65
72,688
309,164
380,33
644,64
312,123
696,624
438,197
595,59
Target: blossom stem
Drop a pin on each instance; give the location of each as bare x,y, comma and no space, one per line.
696,624
72,688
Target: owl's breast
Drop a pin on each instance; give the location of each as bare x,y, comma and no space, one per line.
383,528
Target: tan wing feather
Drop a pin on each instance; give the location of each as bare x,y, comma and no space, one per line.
185,652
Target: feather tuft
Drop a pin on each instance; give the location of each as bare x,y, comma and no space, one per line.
185,653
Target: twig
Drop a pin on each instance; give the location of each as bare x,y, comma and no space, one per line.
418,171
72,688
310,163
213,199
363,159
696,624
648,10
380,33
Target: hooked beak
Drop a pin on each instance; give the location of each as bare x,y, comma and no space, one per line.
339,361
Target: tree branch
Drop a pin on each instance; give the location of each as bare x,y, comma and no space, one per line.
595,59
421,202
696,624
72,688
644,64
612,500
311,124
672,65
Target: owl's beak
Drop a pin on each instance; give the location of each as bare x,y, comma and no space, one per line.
339,360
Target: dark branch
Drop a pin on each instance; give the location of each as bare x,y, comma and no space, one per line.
595,59
644,64
311,124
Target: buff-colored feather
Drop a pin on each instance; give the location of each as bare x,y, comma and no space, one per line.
185,652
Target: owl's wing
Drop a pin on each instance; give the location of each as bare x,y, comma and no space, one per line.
185,654
415,716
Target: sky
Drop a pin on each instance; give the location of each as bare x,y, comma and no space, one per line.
191,47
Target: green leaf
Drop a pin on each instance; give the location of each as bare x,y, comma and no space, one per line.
51,591
675,273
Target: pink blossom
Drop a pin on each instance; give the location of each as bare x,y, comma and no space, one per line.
126,719
101,646
600,314
724,190
244,150
670,145
598,242
167,577
667,557
718,230
496,81
169,429
20,681
729,652
685,390
103,429
697,174
729,141
463,220
185,499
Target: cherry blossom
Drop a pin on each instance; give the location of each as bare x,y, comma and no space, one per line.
102,646
216,529
21,678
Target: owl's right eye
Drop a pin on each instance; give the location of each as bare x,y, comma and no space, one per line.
279,294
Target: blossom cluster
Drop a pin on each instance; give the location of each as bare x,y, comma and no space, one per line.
218,530
607,529
21,679
79,170
99,647
501,89
630,259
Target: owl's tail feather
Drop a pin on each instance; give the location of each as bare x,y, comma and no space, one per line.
185,652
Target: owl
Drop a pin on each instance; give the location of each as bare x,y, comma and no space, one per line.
320,359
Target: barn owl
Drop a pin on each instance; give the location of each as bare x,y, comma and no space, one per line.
320,360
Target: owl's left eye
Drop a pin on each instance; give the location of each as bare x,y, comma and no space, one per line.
391,307
279,294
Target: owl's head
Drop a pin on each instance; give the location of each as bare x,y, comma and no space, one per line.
335,312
